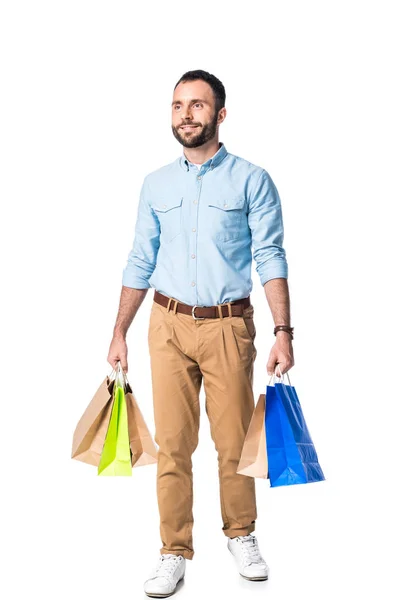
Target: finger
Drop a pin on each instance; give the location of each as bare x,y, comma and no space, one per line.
112,362
271,367
280,369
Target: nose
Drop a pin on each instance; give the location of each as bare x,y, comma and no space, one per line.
186,113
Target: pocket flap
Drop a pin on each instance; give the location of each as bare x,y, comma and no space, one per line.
228,203
166,204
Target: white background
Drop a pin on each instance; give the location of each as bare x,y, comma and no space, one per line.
312,96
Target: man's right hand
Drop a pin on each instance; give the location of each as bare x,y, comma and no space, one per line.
118,352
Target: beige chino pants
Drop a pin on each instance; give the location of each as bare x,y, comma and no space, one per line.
183,352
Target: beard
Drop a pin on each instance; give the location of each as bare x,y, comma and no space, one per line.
199,136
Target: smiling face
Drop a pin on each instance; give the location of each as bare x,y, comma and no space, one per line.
194,119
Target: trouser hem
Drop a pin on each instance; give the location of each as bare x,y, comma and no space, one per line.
233,532
185,553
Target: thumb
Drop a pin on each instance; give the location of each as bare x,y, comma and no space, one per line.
123,361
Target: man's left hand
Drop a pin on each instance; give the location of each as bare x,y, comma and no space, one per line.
282,353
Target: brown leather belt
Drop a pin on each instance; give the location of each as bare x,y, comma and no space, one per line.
233,309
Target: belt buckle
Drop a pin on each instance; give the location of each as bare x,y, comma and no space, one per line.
193,315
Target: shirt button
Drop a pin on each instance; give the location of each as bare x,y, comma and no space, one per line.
194,229
193,283
198,176
194,201
164,206
225,206
193,256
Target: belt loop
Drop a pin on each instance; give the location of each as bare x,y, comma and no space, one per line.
175,306
229,309
219,311
169,304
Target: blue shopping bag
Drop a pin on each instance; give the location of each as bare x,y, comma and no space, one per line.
292,457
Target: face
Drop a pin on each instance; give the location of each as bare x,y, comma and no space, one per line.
193,104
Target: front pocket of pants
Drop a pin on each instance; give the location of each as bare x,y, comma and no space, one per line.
153,330
247,322
156,320
249,326
244,339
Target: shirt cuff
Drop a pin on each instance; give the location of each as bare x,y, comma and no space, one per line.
133,281
273,270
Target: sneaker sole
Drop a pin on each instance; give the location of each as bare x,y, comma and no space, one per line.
255,578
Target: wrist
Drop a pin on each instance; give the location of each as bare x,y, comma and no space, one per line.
119,334
284,330
283,335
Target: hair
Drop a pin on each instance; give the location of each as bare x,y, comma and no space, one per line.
215,84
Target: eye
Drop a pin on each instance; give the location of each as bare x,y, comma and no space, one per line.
198,104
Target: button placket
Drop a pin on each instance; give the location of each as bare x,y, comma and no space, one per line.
193,241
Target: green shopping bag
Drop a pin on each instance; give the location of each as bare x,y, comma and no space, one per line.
116,454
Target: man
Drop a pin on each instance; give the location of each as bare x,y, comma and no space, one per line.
197,220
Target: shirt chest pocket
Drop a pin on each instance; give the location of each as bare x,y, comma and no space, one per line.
169,213
226,217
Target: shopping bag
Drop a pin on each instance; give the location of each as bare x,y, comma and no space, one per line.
90,432
253,460
292,458
116,454
143,448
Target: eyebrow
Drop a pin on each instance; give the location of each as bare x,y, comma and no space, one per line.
194,100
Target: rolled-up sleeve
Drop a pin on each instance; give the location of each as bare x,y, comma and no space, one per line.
266,225
143,256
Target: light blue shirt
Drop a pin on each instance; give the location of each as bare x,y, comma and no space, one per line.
196,230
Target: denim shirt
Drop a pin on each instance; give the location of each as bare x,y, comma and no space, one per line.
196,230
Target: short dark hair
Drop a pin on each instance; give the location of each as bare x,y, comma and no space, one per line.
215,84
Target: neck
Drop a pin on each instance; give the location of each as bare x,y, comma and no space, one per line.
201,154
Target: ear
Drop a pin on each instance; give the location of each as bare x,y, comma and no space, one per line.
221,115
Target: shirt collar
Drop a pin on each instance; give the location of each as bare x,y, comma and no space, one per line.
210,163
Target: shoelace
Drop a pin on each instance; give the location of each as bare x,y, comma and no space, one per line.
250,549
167,565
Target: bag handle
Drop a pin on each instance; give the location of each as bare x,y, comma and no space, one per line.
281,375
120,374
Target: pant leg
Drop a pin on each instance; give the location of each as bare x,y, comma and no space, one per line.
226,358
176,382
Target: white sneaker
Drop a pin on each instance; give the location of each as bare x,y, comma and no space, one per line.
248,558
163,580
